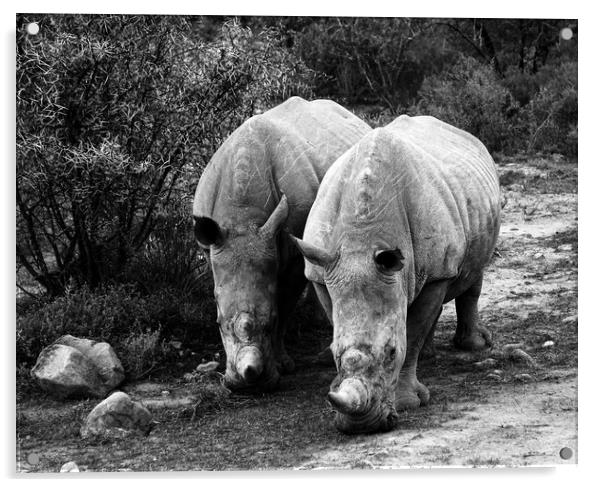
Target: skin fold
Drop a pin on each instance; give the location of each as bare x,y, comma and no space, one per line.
403,222
262,179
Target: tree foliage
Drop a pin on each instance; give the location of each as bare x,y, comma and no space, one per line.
117,114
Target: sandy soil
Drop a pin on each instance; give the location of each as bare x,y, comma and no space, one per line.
501,412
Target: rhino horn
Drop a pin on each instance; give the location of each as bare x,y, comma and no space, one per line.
314,254
350,398
277,218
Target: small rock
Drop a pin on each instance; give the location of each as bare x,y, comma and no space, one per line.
547,344
207,367
165,393
69,467
488,362
538,256
188,377
176,344
497,372
507,349
64,371
494,377
520,355
565,248
570,319
523,378
117,417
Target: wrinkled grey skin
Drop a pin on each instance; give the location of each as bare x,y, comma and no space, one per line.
264,178
403,222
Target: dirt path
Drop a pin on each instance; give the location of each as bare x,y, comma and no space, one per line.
526,424
499,413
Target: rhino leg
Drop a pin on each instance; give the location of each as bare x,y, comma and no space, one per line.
291,284
428,349
325,356
469,334
422,315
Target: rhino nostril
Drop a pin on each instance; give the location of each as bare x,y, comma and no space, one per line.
252,372
249,363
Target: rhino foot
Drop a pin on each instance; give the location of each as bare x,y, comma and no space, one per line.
479,339
411,395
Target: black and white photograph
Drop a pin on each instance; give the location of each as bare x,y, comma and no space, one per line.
282,243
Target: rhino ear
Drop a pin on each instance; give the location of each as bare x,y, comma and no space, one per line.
208,232
315,255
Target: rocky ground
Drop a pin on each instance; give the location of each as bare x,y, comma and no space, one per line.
503,411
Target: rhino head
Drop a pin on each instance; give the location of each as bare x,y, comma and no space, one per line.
366,287
244,260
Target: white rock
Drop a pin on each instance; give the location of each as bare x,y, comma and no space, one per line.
117,416
506,349
102,355
565,248
64,372
488,362
69,467
207,367
547,344
570,319
520,355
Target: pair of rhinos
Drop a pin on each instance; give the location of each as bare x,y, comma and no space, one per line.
387,224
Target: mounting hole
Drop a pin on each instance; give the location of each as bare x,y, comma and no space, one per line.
33,458
566,33
566,453
32,28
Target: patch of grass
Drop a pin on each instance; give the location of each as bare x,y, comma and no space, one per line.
484,461
562,238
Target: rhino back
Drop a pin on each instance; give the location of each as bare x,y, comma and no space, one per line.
418,181
285,150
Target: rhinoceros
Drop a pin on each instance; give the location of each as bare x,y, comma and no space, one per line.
265,176
403,222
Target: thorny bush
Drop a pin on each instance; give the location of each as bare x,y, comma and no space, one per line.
115,116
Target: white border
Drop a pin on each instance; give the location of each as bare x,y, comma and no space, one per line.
589,221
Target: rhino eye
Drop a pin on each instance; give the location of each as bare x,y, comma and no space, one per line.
389,260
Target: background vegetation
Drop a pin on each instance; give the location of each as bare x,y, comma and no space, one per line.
118,115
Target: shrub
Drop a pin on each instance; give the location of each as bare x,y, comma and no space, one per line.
141,352
552,114
136,325
470,96
370,60
115,116
106,314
